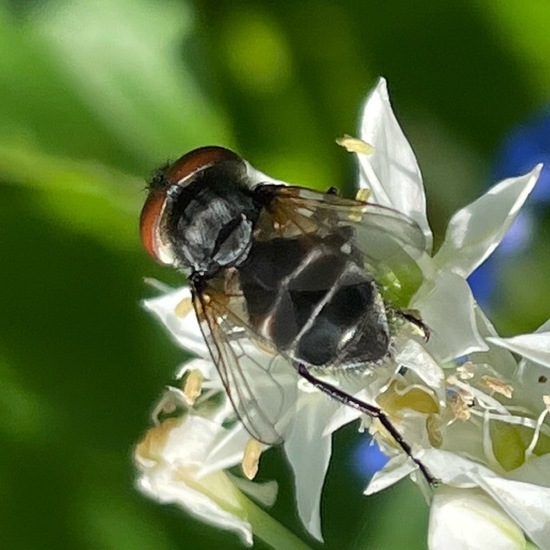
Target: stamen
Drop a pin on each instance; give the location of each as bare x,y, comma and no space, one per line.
184,307
251,458
466,371
452,380
497,386
529,451
461,407
363,195
171,400
463,393
193,386
354,145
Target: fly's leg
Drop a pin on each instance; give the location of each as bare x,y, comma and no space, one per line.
412,316
370,410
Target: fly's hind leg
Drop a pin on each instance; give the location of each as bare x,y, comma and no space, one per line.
370,410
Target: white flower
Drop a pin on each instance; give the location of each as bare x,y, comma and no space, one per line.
181,461
475,416
308,437
487,435
170,458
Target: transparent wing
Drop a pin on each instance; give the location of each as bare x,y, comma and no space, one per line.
370,218
390,242
260,382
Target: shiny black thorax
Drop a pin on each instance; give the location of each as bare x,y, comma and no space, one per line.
212,220
308,294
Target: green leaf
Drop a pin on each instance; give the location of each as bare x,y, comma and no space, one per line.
85,197
123,59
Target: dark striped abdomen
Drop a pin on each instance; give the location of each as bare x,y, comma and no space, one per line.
312,299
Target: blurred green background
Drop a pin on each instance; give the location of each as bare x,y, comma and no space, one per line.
94,95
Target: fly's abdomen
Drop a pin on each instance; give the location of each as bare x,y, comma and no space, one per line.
314,302
349,329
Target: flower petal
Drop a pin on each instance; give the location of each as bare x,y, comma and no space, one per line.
182,325
495,355
173,491
395,470
414,357
308,452
467,519
168,458
453,469
189,439
225,450
527,504
448,308
535,347
532,379
344,415
476,230
391,171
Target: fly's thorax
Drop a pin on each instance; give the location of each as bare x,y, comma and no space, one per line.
210,221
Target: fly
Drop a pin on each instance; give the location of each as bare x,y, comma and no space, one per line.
284,268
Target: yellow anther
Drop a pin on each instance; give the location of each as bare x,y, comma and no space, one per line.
460,407
363,195
251,458
192,386
354,145
497,386
183,307
466,371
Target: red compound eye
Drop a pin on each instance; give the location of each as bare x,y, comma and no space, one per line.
197,160
149,222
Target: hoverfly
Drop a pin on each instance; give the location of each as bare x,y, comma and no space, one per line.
287,269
